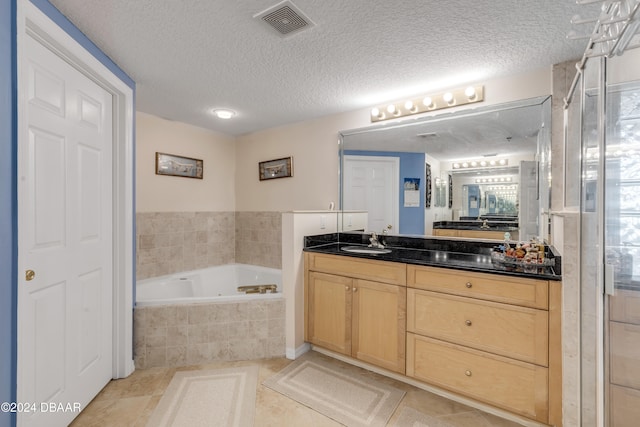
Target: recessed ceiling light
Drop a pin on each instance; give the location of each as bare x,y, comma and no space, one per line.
223,113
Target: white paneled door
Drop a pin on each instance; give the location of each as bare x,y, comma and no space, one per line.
65,238
371,184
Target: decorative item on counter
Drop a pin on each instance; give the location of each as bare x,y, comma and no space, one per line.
523,253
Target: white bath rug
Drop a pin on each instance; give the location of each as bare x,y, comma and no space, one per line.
340,391
220,397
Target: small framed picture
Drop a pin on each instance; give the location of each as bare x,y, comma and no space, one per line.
169,164
278,168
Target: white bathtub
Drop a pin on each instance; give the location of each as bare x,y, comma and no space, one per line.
213,284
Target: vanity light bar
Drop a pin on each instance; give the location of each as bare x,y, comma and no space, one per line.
494,180
449,99
477,164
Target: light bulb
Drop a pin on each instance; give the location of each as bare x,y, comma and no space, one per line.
502,162
492,163
465,165
223,113
391,108
410,106
375,112
427,101
483,163
456,165
470,93
474,164
448,98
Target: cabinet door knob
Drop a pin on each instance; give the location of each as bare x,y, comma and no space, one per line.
355,289
468,322
468,285
346,288
29,275
467,373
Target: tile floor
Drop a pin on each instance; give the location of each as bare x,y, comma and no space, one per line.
130,401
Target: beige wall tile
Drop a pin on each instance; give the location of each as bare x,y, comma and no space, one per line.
165,336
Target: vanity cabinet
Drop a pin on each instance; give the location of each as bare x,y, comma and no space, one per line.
354,316
489,336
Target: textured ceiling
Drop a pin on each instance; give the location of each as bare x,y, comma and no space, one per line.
188,57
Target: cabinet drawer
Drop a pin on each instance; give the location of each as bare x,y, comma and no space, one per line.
508,330
512,290
379,271
483,234
625,354
516,386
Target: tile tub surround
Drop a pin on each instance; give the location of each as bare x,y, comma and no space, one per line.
180,335
171,242
259,238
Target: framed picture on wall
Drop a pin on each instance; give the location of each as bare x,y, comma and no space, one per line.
172,165
427,199
278,168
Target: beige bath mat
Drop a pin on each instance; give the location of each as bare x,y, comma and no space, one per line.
220,397
409,417
340,391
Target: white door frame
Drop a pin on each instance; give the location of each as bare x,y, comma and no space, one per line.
32,21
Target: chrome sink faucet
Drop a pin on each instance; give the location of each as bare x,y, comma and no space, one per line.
485,224
374,242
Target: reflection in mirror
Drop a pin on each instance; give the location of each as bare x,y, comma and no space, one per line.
488,163
440,191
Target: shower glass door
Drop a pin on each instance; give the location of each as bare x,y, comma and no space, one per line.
622,241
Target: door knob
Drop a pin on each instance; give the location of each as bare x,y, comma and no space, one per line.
29,275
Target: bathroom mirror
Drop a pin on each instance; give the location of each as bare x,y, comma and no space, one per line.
440,191
453,151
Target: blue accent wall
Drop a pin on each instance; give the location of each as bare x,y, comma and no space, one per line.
8,183
8,206
412,165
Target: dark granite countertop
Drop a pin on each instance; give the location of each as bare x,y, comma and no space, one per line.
468,255
477,225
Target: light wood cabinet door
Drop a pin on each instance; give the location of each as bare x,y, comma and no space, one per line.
519,387
491,287
507,330
329,311
379,324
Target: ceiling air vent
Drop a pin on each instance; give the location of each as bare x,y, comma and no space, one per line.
285,18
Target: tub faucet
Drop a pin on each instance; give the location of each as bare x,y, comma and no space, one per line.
375,243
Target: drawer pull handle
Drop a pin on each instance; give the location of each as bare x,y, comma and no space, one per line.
468,285
468,322
467,373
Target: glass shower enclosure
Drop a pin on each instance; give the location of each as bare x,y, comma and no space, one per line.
609,128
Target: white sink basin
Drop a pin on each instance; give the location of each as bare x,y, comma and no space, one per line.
365,250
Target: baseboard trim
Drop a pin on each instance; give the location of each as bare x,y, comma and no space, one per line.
294,353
